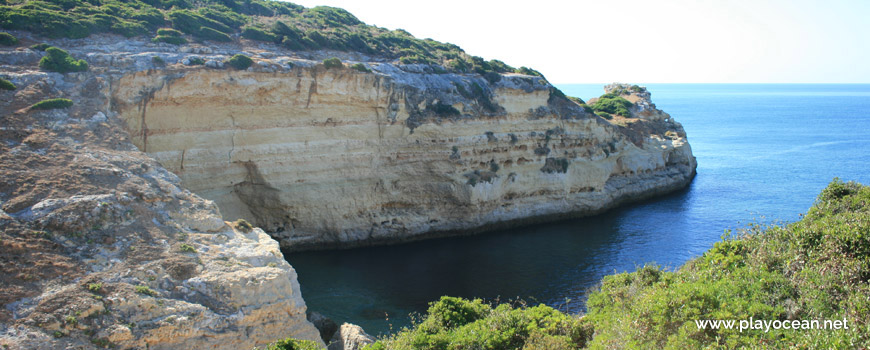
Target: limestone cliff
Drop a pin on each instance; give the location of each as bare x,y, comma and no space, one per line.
337,157
102,247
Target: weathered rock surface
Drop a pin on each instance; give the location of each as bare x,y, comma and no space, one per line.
336,157
350,337
100,246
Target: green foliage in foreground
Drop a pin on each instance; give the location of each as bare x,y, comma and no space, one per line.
814,269
53,103
6,85
57,60
456,323
612,104
292,344
240,62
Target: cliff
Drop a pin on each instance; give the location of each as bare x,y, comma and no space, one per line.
115,210
102,246
337,157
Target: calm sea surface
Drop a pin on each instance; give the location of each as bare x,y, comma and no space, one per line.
764,152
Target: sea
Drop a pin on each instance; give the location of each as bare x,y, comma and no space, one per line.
764,153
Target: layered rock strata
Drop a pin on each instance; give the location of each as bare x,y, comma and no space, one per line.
337,157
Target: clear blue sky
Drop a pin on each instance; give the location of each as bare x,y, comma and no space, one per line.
643,41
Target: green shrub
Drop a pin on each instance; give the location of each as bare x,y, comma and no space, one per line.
293,344
60,61
186,248
361,67
168,32
208,33
813,269
333,62
145,290
7,39
240,62
175,40
95,287
157,61
456,323
612,104
39,47
53,103
259,34
529,71
6,85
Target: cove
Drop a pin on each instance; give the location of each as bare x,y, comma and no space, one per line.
764,152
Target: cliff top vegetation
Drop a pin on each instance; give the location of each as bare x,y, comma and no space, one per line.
287,24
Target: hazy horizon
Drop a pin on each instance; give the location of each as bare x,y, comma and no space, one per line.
635,41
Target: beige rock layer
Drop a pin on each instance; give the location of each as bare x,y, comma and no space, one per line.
325,158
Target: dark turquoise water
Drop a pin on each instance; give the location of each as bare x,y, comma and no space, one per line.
764,152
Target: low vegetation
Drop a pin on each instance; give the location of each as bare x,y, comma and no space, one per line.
7,39
814,269
292,344
57,60
456,323
612,103
283,23
6,85
361,67
53,103
333,62
240,62
145,290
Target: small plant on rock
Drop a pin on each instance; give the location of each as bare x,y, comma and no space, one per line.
240,62
334,62
6,85
60,61
145,290
187,248
53,103
7,39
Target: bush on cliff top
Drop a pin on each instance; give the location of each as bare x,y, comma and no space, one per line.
814,269
240,62
57,60
612,104
333,62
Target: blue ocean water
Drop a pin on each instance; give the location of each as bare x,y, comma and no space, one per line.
764,152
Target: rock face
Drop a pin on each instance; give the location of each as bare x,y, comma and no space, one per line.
100,246
106,240
336,157
350,337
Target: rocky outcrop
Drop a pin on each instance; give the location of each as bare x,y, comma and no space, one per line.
102,247
337,157
350,337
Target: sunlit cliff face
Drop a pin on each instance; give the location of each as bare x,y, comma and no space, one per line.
338,157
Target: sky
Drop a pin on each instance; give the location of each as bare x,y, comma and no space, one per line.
643,41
